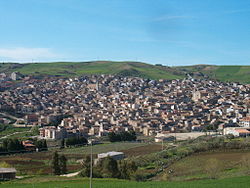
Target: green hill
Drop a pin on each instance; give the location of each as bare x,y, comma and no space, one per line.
124,68
224,73
97,67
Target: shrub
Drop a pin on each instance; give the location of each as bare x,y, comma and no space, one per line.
76,141
213,168
123,136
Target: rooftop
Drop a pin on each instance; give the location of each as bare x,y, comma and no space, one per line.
111,153
7,170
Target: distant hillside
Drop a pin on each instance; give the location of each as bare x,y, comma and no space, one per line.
70,69
96,67
222,73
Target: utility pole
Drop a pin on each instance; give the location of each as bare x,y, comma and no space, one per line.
162,144
91,165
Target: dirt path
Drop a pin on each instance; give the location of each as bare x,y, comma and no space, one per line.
71,174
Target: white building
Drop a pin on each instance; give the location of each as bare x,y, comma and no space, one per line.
114,154
236,131
13,76
52,133
245,122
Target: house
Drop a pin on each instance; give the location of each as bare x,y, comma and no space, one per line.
51,132
31,118
243,132
29,145
3,76
198,95
15,76
7,173
245,122
236,131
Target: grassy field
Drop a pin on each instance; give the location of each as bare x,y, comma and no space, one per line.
228,164
229,167
233,73
9,129
57,182
70,69
222,73
39,163
100,148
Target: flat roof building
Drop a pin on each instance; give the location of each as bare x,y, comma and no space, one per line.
114,154
7,173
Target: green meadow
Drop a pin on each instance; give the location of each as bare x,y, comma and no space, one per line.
124,68
71,69
61,182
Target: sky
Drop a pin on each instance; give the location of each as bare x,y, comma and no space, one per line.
168,32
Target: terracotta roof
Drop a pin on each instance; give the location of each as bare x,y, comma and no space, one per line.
246,119
243,131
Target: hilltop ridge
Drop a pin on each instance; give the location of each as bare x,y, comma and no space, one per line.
223,73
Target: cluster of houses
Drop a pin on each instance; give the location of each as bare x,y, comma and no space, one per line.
98,104
7,80
10,76
242,130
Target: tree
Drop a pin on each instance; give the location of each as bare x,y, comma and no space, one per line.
112,137
5,144
63,164
123,168
76,141
109,168
4,165
132,167
2,150
86,166
38,144
127,169
123,136
62,143
35,130
55,164
11,145
41,145
44,143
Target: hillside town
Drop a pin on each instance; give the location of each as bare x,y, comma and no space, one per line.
98,104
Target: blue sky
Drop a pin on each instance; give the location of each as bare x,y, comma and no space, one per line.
170,32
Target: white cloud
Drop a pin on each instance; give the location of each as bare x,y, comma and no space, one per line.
168,17
27,54
236,11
